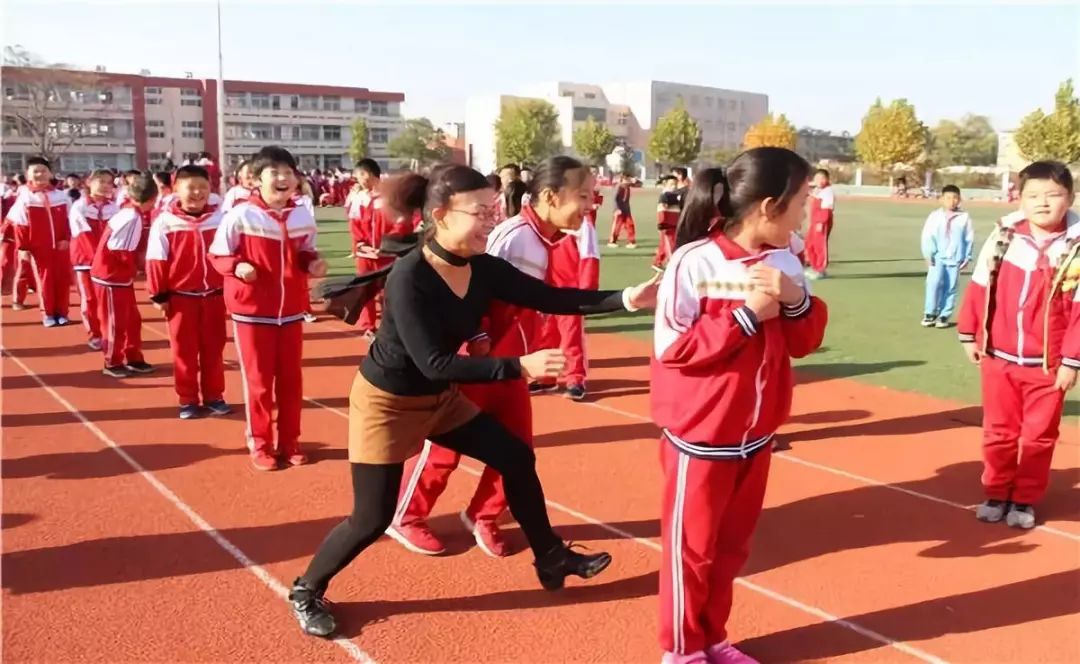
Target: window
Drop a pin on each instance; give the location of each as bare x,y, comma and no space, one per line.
331,103
379,135
189,97
708,102
155,129
590,95
12,162
731,104
331,133
361,105
16,92
155,157
380,108
261,132
234,130
153,91
731,126
260,100
695,100
308,103
190,92
191,129
287,132
309,132
236,100
275,102
154,101
190,102
11,126
582,114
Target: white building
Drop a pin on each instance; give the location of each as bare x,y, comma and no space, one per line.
629,109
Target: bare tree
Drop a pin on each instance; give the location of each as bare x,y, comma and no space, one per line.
40,107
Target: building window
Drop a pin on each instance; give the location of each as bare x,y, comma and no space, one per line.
708,102
360,105
11,126
155,157
190,102
189,97
305,103
582,114
590,95
153,91
378,135
731,104
234,130
191,129
287,132
16,92
275,102
331,103
155,129
331,133
236,100
154,101
309,132
12,162
260,100
261,132
380,108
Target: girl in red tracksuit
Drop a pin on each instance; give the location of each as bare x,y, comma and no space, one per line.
265,248
822,204
732,311
87,219
364,209
182,283
1020,322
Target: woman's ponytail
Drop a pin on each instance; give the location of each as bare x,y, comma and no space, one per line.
708,199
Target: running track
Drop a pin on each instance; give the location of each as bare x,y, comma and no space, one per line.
131,536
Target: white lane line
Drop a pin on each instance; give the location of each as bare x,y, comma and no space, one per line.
275,586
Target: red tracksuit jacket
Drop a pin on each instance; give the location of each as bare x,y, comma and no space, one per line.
721,380
253,233
40,219
1015,307
575,260
87,221
114,261
177,258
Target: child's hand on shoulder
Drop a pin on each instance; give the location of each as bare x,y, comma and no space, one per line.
764,306
773,282
1066,378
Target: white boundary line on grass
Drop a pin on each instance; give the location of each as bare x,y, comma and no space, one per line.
354,651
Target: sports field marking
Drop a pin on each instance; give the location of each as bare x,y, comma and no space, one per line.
354,651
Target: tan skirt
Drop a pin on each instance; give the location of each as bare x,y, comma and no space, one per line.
386,428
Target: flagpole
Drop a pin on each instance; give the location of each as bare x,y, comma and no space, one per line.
221,159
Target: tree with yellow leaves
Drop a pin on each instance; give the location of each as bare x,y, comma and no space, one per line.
891,135
771,132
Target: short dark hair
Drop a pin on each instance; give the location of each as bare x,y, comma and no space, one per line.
1047,170
73,175
679,172
164,177
950,189
369,166
143,189
38,161
513,167
191,171
272,155
553,172
512,197
100,173
665,178
824,172
133,172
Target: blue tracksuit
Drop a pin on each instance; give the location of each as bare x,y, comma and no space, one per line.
948,240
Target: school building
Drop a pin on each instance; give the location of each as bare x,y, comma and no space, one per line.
95,119
629,109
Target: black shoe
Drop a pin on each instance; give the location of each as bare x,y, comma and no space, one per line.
575,392
540,388
139,367
563,561
309,607
189,412
218,407
116,372
928,320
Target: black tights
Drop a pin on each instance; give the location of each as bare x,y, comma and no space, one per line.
376,487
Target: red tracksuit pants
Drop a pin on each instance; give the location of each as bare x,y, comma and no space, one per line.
197,340
1021,415
566,333
665,247
369,314
17,274
426,474
710,510
620,223
52,267
121,324
817,245
270,359
88,304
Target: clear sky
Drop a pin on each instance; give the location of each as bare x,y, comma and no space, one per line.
820,63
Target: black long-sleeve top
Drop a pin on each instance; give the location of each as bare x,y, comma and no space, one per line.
415,351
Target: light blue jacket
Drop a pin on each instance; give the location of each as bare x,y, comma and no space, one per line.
948,237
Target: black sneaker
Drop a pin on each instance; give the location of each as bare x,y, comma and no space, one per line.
218,407
928,321
540,388
189,412
116,372
575,392
309,608
139,367
941,323
563,561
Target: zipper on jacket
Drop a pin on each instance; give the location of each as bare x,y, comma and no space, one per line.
284,239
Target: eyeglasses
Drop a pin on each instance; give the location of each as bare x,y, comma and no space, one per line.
483,214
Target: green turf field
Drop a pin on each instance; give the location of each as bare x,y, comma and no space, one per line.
874,293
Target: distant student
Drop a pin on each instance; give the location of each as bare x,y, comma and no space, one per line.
948,240
113,274
184,285
822,204
365,226
667,218
18,273
624,218
88,218
242,189
1020,322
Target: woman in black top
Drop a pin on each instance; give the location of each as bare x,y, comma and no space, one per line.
405,390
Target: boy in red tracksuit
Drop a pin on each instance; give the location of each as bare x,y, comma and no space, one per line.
17,274
732,311
265,249
624,217
241,190
88,217
1020,322
822,204
113,274
667,219
360,208
188,290
42,235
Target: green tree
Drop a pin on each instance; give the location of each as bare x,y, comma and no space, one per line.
891,135
526,132
358,148
420,141
594,141
720,156
776,132
676,139
970,142
1054,136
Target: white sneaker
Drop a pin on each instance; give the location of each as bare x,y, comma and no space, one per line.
94,344
48,321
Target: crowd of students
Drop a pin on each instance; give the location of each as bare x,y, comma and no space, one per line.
487,308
